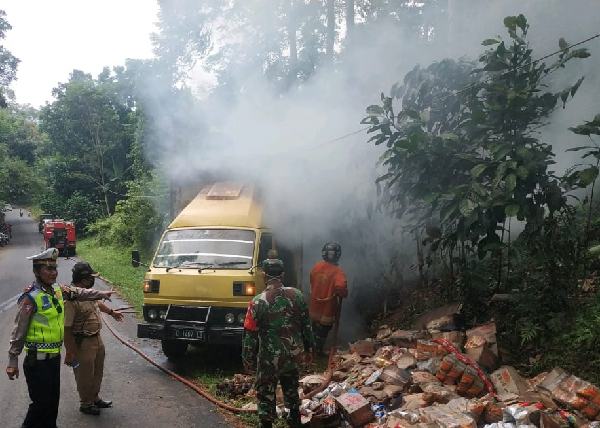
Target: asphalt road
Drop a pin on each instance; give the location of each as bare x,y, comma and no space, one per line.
143,396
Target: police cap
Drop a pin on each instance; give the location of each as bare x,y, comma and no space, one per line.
45,258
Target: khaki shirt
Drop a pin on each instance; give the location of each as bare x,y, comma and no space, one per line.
83,318
26,311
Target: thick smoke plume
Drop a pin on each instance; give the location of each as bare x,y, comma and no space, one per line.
319,188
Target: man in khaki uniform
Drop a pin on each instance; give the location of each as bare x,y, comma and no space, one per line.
85,350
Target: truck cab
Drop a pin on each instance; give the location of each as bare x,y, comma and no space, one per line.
204,271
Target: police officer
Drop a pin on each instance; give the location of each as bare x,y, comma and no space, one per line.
328,285
39,328
277,338
85,349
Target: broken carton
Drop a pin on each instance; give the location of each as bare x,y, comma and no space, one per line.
395,376
506,380
356,408
364,348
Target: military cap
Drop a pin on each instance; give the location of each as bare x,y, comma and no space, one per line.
45,258
272,267
82,270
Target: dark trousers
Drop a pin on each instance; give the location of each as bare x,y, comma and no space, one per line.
43,383
320,332
266,387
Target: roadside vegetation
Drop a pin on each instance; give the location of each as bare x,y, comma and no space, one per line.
114,264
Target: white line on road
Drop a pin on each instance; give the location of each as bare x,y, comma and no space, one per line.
6,305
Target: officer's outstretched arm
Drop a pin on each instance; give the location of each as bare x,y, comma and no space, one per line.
76,293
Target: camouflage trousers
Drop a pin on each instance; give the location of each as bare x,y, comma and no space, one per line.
266,386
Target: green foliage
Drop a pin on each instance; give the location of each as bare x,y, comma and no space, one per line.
8,62
135,222
114,263
91,128
462,151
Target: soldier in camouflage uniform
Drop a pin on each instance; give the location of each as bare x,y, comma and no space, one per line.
277,338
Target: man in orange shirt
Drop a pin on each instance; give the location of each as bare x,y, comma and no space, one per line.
328,284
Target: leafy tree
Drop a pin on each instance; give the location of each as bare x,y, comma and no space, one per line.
91,130
582,175
8,62
463,153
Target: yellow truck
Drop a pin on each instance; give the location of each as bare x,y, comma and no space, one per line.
205,270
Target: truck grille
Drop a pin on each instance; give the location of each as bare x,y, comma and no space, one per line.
187,313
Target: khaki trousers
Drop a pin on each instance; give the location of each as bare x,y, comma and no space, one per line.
90,354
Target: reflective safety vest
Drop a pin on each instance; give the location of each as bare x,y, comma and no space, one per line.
46,327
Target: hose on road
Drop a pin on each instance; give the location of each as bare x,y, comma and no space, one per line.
213,399
175,376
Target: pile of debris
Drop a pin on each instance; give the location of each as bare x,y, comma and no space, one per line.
439,377
239,385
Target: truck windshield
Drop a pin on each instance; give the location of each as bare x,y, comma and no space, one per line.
217,248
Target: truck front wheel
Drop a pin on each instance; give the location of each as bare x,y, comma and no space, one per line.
174,348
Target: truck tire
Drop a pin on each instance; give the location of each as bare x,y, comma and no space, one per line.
174,348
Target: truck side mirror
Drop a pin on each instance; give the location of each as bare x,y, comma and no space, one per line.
135,258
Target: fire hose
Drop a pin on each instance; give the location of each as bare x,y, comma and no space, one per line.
175,376
211,398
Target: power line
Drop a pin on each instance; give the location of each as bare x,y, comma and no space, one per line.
473,85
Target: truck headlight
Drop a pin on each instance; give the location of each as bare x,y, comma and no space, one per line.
152,314
151,286
162,314
229,318
241,318
244,288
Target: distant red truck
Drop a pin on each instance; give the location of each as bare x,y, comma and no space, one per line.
60,234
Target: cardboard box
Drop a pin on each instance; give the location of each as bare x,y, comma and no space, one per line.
395,376
488,332
406,338
484,356
506,380
356,408
364,348
457,338
413,402
446,418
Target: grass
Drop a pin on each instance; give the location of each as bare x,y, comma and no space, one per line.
114,264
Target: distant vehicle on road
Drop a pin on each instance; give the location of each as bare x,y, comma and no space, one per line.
8,207
60,234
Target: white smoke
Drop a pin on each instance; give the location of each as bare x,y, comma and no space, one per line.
317,185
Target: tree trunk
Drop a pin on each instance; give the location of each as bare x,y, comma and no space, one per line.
292,28
330,39
100,155
349,17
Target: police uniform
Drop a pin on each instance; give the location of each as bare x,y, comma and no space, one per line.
39,329
277,332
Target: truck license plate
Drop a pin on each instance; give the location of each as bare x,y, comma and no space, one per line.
185,333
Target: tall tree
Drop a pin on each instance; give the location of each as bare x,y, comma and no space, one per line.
8,62
350,17
91,131
331,33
